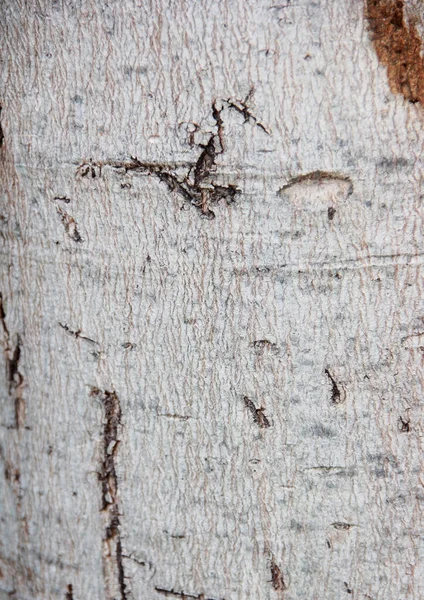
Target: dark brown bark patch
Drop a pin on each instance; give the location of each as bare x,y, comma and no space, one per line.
398,47
277,578
258,414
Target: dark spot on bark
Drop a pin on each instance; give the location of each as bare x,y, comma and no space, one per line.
404,425
296,526
129,346
391,163
69,592
261,345
348,589
336,395
341,526
320,430
398,47
88,169
331,212
175,536
11,474
380,473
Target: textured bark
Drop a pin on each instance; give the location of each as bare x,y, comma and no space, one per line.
211,300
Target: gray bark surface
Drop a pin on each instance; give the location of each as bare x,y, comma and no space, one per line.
211,305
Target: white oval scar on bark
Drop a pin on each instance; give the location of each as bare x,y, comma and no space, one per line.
317,190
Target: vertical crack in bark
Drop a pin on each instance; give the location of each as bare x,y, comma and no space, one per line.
398,47
1,129
198,191
112,550
277,578
12,352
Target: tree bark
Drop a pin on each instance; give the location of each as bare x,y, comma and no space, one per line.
211,300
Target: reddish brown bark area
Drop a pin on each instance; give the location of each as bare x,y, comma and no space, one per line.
398,47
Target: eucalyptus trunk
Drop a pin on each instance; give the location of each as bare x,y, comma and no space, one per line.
211,300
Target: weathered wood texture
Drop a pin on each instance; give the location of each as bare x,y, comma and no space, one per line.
199,407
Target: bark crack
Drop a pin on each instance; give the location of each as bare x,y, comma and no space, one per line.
1,129
258,414
242,108
183,595
76,333
112,550
196,189
15,379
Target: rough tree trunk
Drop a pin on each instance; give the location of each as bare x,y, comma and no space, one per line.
211,300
